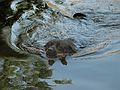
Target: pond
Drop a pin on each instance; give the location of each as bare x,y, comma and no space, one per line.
97,39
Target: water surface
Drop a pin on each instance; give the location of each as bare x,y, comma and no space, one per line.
95,67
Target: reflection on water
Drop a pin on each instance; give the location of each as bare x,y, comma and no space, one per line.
24,74
95,67
91,74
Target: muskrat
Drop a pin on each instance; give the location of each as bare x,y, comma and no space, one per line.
59,49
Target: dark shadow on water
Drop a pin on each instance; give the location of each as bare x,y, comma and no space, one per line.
6,51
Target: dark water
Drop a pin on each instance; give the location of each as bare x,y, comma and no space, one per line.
86,70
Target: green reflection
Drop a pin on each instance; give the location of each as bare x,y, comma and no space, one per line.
24,74
64,81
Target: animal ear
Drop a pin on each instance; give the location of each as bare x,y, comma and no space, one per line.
51,62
